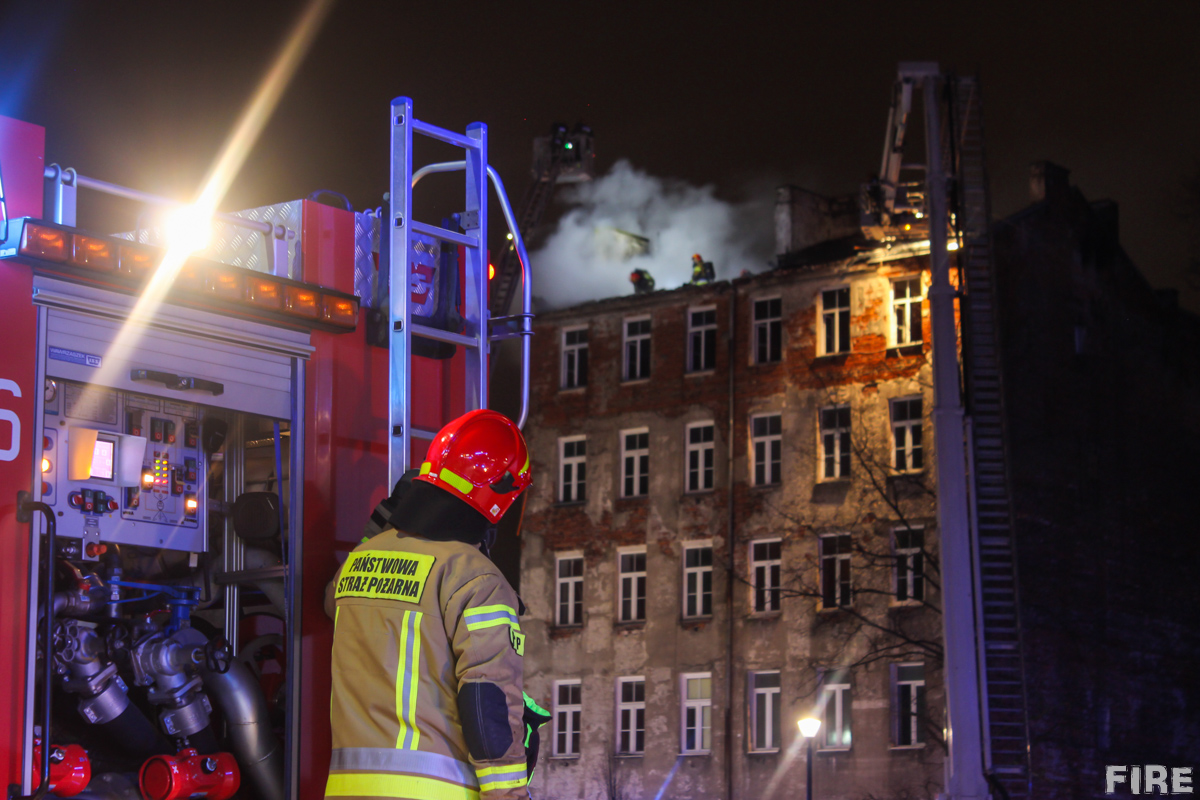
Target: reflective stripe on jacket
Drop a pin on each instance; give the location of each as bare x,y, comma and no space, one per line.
414,621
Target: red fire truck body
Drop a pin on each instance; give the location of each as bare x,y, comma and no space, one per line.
165,462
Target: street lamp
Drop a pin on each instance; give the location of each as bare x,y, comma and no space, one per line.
808,729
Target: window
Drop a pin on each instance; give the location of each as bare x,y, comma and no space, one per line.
835,443
702,339
575,358
764,711
697,581
835,570
768,330
568,713
570,589
700,456
906,431
631,716
635,462
631,600
906,310
696,730
835,321
834,702
910,564
572,455
765,562
637,349
909,713
766,439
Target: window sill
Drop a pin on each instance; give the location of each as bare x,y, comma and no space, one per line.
573,757
906,604
833,750
635,382
695,753
701,373
634,498
917,746
765,616
696,620
698,493
766,363
628,755
831,359
832,609
570,503
766,487
765,752
572,389
910,349
832,481
629,625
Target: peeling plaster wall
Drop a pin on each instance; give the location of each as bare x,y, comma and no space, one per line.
797,640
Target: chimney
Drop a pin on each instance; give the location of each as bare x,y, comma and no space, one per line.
1047,181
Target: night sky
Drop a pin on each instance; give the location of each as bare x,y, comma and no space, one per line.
741,96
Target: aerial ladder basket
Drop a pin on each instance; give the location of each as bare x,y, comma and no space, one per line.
406,234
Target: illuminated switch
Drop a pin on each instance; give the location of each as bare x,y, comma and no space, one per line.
191,505
133,497
156,429
191,435
112,504
134,420
88,502
75,499
189,470
169,431
177,480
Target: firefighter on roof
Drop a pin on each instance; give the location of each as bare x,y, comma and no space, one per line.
702,271
427,650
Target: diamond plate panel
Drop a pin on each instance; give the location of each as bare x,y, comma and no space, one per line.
238,246
366,244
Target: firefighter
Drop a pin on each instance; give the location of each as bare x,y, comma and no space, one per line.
427,650
642,281
702,271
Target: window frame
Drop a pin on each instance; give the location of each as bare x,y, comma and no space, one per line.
573,733
633,707
569,350
836,683
638,476
707,334
700,704
770,465
842,326
773,327
773,728
700,448
574,461
909,302
576,593
906,572
843,584
638,585
772,593
699,571
908,424
842,441
917,705
645,354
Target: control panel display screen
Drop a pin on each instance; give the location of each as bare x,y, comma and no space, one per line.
103,458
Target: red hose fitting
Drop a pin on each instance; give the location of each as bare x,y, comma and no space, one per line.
189,775
70,769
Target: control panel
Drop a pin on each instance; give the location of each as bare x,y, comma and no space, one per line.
123,467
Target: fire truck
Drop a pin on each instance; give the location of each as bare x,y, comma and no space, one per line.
180,475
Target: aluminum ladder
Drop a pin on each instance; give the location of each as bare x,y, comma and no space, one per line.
1005,724
478,335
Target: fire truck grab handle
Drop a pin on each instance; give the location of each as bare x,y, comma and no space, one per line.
26,505
179,383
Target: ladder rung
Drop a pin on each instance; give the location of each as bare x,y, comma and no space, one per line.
441,134
444,336
445,235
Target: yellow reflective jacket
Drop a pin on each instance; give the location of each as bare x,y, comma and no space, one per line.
415,620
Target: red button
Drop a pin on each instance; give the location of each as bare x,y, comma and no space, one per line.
96,550
45,488
47,444
113,505
76,499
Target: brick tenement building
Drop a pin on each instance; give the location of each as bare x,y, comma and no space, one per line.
736,530
1102,394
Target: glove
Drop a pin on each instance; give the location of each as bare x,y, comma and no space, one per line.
534,717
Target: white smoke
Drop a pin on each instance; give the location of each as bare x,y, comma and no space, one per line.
590,255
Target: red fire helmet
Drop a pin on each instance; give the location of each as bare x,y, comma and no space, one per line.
480,458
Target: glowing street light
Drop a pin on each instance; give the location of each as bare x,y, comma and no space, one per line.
808,729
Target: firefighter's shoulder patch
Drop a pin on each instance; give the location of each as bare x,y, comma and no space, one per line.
385,575
517,640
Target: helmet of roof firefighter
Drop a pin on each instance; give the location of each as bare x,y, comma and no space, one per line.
481,459
697,257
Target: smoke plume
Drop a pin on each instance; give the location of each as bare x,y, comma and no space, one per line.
629,220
